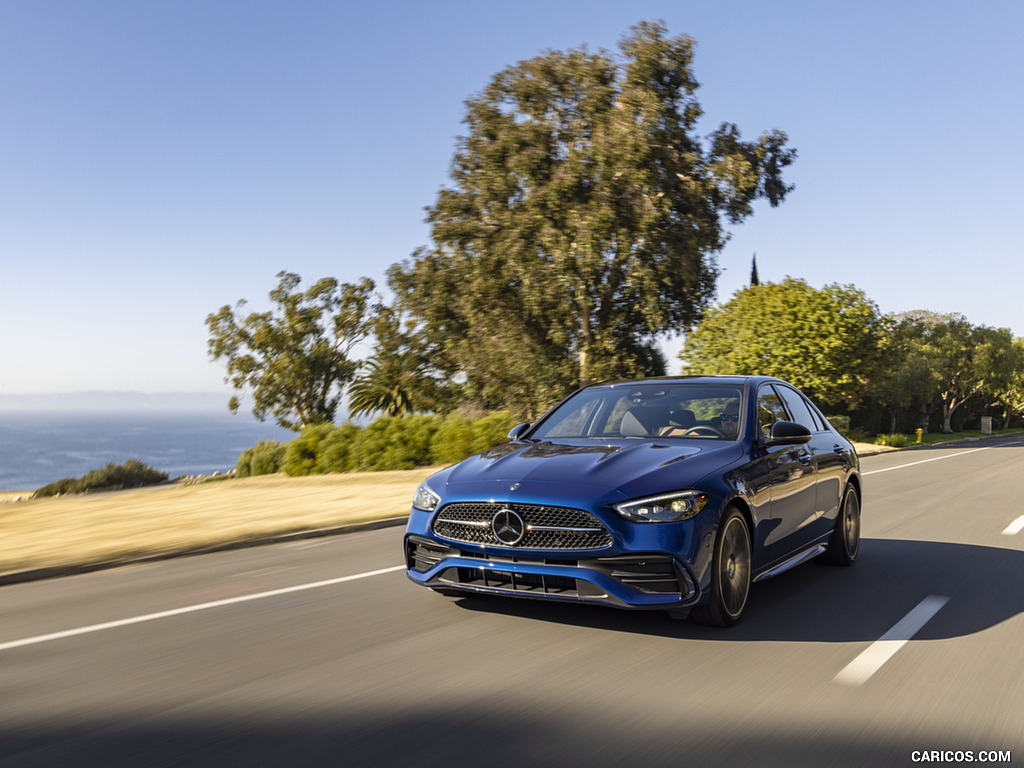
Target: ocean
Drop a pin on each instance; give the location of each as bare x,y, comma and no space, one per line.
37,448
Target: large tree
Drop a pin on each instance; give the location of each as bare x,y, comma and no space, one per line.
583,220
1011,394
828,342
966,360
295,359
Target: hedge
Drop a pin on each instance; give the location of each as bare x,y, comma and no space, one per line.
389,443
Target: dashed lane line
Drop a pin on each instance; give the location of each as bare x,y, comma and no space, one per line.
925,461
858,671
191,609
1015,527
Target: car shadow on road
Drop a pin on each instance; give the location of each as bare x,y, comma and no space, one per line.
815,603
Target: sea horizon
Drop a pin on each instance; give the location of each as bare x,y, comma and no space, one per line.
40,446
115,400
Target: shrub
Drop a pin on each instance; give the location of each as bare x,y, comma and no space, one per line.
132,474
336,454
264,459
390,442
301,454
491,430
857,435
895,440
58,488
453,440
395,442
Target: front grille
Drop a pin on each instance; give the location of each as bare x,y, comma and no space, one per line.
509,581
546,527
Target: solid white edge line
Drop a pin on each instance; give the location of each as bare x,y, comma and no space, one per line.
1015,527
871,660
925,461
191,609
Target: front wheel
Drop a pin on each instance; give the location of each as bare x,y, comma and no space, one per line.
844,543
730,576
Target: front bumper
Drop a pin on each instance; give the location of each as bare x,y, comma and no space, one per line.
653,580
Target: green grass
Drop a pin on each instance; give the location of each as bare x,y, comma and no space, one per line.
938,437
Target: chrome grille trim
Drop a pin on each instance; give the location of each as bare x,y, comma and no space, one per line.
547,527
478,523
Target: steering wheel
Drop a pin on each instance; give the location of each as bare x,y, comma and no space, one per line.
705,430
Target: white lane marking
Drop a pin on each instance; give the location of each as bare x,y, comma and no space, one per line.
1015,527
191,609
925,461
871,660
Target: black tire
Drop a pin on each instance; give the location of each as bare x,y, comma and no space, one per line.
730,573
844,543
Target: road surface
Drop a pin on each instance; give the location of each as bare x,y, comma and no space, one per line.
322,653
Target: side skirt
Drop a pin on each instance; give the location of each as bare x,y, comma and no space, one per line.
793,562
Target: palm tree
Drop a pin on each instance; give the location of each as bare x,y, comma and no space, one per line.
387,386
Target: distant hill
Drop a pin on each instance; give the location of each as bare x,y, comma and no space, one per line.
117,401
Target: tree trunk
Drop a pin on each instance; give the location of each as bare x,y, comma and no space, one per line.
926,415
586,342
948,407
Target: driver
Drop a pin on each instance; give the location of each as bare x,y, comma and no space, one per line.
729,420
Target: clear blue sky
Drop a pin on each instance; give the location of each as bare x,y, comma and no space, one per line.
161,159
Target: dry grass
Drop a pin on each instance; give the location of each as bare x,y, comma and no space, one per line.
870,449
87,529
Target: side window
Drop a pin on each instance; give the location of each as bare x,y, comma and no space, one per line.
820,420
796,405
769,410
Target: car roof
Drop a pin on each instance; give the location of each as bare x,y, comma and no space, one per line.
704,379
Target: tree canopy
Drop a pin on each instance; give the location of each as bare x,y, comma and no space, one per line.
295,359
959,361
582,221
828,342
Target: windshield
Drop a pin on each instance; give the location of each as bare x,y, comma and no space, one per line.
647,410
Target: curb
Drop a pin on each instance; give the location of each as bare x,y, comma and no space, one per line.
58,571
922,446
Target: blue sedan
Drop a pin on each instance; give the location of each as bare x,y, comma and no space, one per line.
672,493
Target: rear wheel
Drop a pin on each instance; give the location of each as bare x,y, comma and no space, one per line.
844,544
730,577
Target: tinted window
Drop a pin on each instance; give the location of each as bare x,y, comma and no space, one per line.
818,418
798,409
769,410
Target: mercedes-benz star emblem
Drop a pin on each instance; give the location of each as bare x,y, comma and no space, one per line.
508,527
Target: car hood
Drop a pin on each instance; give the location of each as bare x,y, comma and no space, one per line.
603,472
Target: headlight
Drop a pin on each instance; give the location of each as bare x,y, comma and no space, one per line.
667,508
425,499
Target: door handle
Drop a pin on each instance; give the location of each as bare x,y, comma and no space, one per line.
838,449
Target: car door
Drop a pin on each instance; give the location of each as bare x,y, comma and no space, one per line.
828,461
791,478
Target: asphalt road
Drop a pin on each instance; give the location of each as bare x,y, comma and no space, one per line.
321,653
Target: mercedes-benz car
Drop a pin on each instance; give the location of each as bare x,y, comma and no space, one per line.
672,493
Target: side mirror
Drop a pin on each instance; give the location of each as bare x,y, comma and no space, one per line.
787,433
517,431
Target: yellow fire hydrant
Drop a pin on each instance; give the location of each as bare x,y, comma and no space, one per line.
920,434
